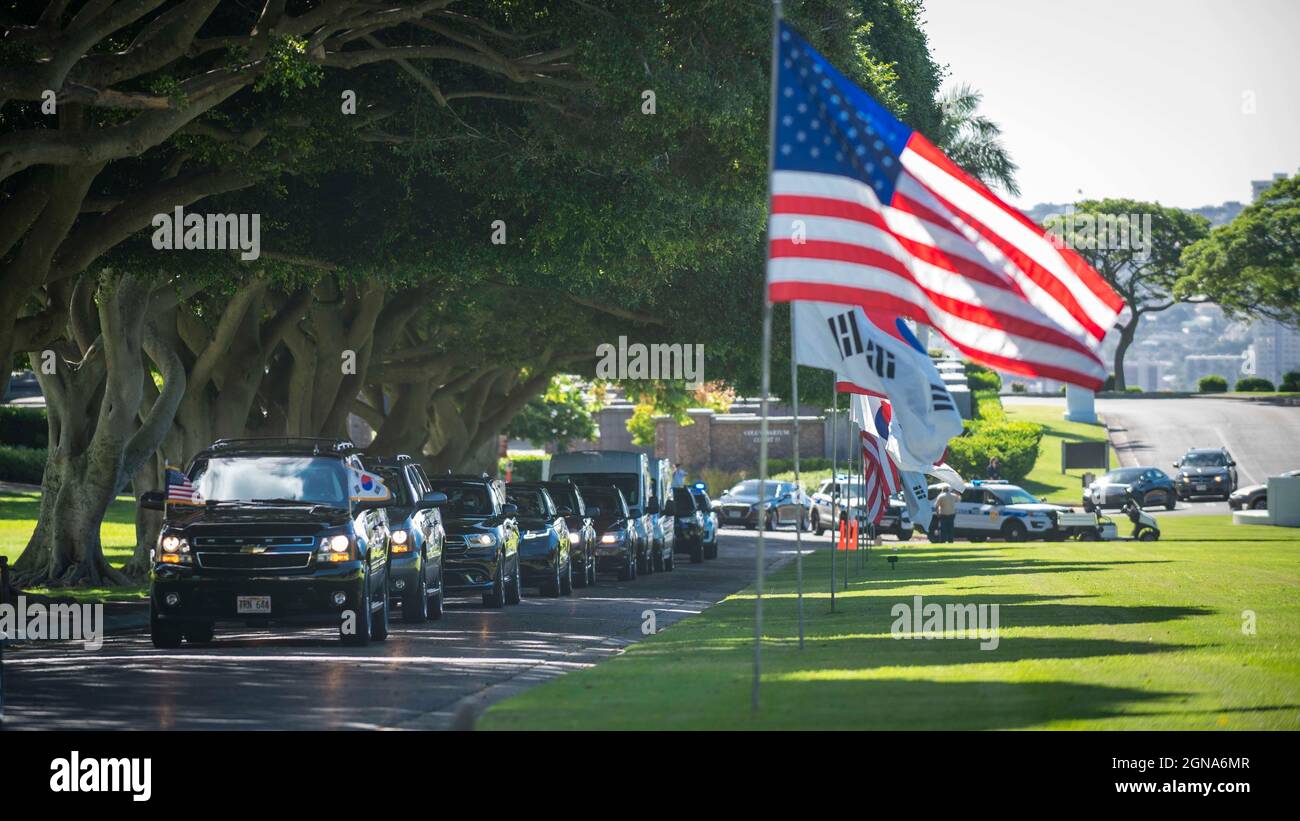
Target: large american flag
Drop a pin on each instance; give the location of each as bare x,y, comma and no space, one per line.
866,211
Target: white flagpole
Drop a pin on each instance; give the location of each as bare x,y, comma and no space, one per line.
798,518
767,366
835,484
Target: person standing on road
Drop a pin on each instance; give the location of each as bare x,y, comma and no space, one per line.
945,504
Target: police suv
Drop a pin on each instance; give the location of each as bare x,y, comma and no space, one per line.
997,510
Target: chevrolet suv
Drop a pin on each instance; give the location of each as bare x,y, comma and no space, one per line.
273,530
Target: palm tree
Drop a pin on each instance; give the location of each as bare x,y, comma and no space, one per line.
973,141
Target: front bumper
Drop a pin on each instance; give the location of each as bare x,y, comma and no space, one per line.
306,597
404,572
537,564
1188,488
469,569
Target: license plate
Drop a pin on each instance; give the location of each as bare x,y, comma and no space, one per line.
252,604
735,514
1200,487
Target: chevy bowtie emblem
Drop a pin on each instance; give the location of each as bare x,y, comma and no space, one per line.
253,548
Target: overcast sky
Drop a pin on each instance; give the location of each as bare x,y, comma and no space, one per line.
1138,98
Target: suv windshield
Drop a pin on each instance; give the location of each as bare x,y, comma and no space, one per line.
465,499
604,498
1014,496
626,482
565,497
319,480
531,503
396,484
1205,460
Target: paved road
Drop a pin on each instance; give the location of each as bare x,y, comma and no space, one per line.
424,677
1262,436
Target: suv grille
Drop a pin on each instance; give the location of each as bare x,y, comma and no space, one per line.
254,552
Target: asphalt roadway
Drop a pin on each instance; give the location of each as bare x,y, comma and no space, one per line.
432,676
1262,435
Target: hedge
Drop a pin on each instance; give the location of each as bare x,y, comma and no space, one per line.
526,468
1014,443
1212,384
986,406
24,427
1290,382
19,464
980,378
806,463
1254,384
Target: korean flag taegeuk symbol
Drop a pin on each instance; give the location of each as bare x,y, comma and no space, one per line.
367,486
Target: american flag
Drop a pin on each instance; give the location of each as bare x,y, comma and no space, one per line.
866,211
180,490
880,477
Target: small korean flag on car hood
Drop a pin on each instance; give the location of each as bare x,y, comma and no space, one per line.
367,486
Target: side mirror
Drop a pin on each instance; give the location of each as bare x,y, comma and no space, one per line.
509,509
593,511
1231,464
1177,464
434,498
152,500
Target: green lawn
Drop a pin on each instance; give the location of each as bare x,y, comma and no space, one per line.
1119,635
18,513
1046,479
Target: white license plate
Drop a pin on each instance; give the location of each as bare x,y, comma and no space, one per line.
735,514
1200,487
253,604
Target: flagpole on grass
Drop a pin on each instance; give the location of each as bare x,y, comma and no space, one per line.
767,367
835,485
798,516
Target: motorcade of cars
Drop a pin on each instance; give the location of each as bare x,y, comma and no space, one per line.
709,508
579,516
418,537
616,543
1206,472
1151,486
545,557
264,531
896,520
1000,510
784,504
482,549
688,520
1253,497
662,528
629,471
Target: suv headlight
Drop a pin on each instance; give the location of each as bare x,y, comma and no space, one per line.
613,537
480,540
335,548
401,541
575,538
173,549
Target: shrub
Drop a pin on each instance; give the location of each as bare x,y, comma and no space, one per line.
980,378
1017,387
1014,443
1290,382
527,468
1212,384
1133,389
986,406
806,464
19,464
24,427
1254,384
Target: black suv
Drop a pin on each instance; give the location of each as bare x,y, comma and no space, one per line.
1206,472
688,521
545,558
580,517
415,573
267,531
482,551
616,538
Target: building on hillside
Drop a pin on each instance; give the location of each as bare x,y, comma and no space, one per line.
1147,374
1276,349
1198,365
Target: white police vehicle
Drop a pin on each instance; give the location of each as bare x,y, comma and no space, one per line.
998,510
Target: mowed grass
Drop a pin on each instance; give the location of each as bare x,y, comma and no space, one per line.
1113,636
18,514
1046,480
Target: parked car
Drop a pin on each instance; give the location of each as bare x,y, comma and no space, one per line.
616,542
897,520
1150,486
709,508
663,531
273,534
545,558
1253,497
415,525
578,515
482,550
785,504
688,521
993,509
630,473
1206,472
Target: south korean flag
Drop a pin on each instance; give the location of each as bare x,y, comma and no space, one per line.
840,338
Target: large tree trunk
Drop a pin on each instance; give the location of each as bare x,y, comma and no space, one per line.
1126,334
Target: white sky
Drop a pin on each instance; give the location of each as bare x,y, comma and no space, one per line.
1134,98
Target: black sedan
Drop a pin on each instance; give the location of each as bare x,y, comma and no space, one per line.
1253,497
579,516
545,560
1150,486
